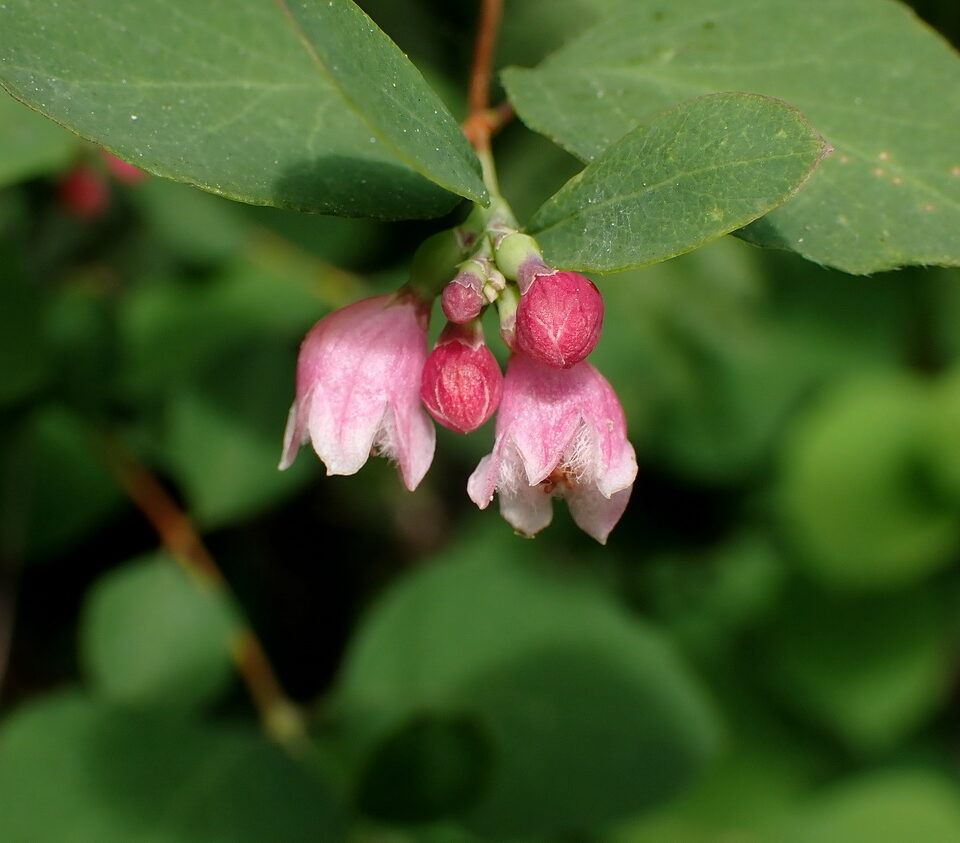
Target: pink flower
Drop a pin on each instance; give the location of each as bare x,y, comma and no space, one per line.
358,388
559,316
461,382
559,432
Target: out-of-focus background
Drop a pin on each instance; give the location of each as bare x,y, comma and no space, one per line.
766,650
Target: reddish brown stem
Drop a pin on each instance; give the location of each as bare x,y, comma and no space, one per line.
478,125
176,532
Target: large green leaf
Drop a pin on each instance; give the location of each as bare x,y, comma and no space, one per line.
73,770
858,493
882,88
63,489
305,105
869,670
589,714
888,806
151,637
692,174
29,145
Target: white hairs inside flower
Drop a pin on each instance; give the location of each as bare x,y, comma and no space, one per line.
386,441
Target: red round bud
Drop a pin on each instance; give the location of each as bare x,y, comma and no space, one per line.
84,193
462,299
559,319
461,386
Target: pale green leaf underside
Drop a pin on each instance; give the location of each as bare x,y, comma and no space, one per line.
696,172
291,106
881,87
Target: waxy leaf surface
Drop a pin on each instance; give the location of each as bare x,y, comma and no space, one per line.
298,104
880,86
696,172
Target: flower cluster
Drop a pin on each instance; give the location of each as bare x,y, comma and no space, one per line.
364,378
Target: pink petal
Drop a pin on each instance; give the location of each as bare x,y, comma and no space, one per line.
595,513
528,509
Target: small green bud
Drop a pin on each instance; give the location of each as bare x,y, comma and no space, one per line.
513,251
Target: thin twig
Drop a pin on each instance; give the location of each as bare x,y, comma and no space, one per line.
478,98
481,120
280,716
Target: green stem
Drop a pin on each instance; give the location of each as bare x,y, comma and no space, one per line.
489,170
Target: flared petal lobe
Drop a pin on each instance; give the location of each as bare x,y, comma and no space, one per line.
358,385
560,432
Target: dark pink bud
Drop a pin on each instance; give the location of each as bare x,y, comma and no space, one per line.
462,299
84,193
559,319
123,170
461,383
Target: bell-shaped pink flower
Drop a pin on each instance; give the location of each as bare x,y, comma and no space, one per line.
358,388
559,316
559,432
461,382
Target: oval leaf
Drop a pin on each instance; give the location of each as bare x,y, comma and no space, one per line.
698,171
74,770
555,676
246,99
153,638
882,88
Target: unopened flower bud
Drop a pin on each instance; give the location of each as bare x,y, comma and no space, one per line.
84,193
461,382
559,318
463,299
122,170
514,253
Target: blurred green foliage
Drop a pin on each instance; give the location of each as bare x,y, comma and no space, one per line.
765,651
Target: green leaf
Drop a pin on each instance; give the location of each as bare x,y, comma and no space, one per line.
226,456
198,227
25,358
151,637
858,495
589,713
880,86
432,766
889,806
692,174
73,770
291,106
869,669
29,145
63,489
